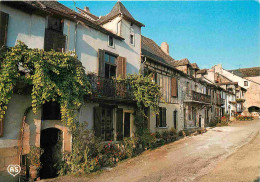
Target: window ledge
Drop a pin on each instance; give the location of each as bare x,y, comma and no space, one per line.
166,127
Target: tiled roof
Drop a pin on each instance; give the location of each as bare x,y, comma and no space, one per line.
118,9
152,50
181,62
54,7
203,71
87,14
195,66
246,72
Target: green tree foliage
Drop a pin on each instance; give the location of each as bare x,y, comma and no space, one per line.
146,92
54,76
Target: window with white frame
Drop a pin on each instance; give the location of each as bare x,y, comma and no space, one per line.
245,83
111,41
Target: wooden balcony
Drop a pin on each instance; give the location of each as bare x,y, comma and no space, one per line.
110,89
220,101
197,97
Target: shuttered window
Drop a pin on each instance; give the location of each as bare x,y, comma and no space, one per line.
174,87
119,124
54,40
97,121
3,28
111,65
161,118
101,65
121,67
103,122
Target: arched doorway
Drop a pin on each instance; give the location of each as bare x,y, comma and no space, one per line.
51,143
254,109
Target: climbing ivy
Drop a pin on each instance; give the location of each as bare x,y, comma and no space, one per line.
54,76
146,92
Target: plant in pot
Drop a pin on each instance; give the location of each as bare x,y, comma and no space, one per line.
34,159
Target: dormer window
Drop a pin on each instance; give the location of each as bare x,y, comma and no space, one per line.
111,41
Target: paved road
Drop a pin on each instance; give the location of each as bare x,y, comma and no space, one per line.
221,154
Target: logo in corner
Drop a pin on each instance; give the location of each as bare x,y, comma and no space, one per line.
14,169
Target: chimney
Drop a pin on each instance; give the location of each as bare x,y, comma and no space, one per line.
86,9
165,47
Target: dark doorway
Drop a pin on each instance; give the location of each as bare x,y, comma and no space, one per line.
199,120
184,116
127,125
175,119
51,143
194,114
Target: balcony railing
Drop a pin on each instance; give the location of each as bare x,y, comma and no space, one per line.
109,88
220,101
198,97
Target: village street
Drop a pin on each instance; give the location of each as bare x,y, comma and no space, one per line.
222,154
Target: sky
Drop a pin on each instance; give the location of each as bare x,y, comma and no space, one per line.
205,32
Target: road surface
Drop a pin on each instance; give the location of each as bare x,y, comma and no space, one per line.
222,154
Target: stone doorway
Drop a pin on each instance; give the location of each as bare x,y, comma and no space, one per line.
51,143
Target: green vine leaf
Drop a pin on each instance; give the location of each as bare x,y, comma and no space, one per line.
54,76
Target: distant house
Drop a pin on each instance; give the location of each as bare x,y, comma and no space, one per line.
250,79
244,83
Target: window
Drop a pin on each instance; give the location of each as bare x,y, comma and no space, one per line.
54,38
55,24
148,72
110,66
245,83
174,87
132,42
111,41
51,111
3,28
103,122
188,88
161,118
175,119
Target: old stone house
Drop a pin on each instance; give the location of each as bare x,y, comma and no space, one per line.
108,47
245,89
251,78
187,99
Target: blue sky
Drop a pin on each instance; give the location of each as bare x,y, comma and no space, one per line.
208,33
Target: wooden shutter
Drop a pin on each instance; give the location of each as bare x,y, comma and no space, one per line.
3,28
174,92
164,117
121,67
101,63
158,120
119,123
97,120
1,126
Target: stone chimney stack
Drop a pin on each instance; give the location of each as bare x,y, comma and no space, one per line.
165,47
86,9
